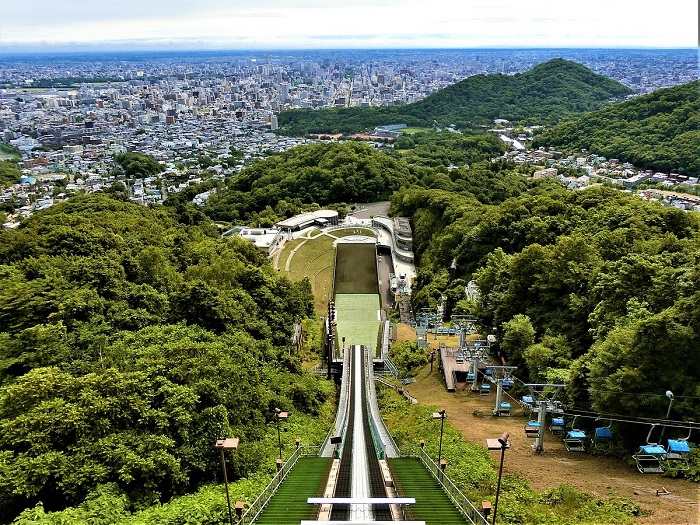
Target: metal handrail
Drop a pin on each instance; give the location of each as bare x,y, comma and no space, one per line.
342,403
405,393
386,338
374,431
253,512
391,366
463,504
378,351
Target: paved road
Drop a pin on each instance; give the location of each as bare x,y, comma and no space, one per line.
368,210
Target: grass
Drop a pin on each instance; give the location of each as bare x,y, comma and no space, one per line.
432,504
358,318
474,472
286,250
413,131
8,152
313,260
288,506
345,232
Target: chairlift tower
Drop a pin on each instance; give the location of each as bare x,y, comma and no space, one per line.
466,325
545,397
501,372
478,357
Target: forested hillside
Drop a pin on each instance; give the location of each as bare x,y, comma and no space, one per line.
543,94
594,288
660,130
432,149
9,173
342,173
282,185
128,343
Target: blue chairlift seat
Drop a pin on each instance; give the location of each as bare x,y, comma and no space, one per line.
678,446
575,440
507,383
649,458
527,400
602,438
557,425
677,453
504,408
532,428
485,389
470,376
652,448
603,434
488,372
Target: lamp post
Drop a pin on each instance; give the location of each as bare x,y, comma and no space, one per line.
224,444
669,395
280,416
441,415
501,444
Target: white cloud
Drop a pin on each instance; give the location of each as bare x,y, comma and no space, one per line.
355,23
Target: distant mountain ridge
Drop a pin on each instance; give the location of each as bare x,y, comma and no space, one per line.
544,93
660,130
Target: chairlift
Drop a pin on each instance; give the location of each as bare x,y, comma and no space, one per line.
488,372
678,451
556,408
532,429
649,457
603,437
470,376
504,409
557,426
529,402
575,439
507,383
484,389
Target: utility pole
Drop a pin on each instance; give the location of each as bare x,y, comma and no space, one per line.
280,416
441,415
669,395
498,444
224,444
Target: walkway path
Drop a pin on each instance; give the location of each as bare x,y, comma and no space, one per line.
597,475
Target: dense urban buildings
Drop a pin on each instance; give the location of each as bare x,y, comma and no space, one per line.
205,114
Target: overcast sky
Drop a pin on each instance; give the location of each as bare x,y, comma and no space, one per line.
258,24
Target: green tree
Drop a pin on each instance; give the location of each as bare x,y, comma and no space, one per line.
137,165
518,335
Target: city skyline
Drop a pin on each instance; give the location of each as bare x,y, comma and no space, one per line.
43,26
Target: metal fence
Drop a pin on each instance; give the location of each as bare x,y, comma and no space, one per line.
405,393
253,512
391,367
463,504
341,419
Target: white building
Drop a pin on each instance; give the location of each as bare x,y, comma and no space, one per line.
264,239
305,220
